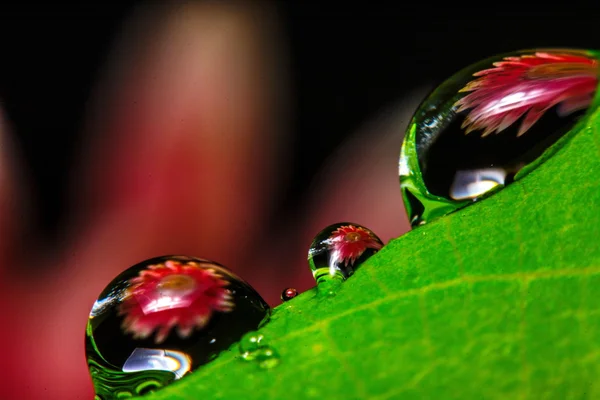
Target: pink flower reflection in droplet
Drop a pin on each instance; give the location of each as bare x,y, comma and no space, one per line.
525,87
173,295
349,242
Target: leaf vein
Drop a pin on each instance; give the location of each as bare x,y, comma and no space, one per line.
518,276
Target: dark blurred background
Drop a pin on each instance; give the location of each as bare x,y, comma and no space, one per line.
347,62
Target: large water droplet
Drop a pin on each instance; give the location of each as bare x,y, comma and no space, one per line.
477,131
163,318
338,250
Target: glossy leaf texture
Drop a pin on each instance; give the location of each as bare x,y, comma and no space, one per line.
498,300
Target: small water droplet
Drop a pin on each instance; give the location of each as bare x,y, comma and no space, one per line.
163,318
249,344
489,124
288,294
267,358
337,251
253,347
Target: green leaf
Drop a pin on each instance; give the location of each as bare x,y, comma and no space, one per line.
498,300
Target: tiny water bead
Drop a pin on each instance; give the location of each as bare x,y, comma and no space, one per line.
254,347
489,125
288,294
162,319
338,250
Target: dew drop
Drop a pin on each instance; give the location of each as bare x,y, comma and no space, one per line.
253,347
478,131
162,319
288,294
337,251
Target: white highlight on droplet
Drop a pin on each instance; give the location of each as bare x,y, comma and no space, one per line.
403,169
142,359
101,305
165,303
512,101
469,184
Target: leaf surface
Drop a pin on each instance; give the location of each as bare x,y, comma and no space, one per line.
499,300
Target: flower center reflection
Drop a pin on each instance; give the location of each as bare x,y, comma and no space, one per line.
353,237
176,285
